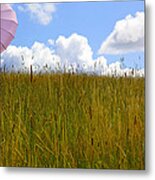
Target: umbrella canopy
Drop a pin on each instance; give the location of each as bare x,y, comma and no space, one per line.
8,25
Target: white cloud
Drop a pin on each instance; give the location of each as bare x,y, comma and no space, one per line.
20,58
21,8
72,54
127,36
51,42
42,13
74,49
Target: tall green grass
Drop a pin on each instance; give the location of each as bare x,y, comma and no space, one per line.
71,121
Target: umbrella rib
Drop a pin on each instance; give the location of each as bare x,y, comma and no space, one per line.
3,45
5,10
8,25
8,20
8,9
8,32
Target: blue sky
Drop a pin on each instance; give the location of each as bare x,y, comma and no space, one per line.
93,20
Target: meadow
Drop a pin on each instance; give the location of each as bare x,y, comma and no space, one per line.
72,121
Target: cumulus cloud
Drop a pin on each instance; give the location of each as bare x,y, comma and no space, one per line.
69,54
42,13
20,58
51,42
74,49
127,36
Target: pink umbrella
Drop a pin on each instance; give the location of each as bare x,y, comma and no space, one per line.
8,25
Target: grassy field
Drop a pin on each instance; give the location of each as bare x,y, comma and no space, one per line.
71,121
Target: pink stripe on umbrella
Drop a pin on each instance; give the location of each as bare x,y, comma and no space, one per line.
8,26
